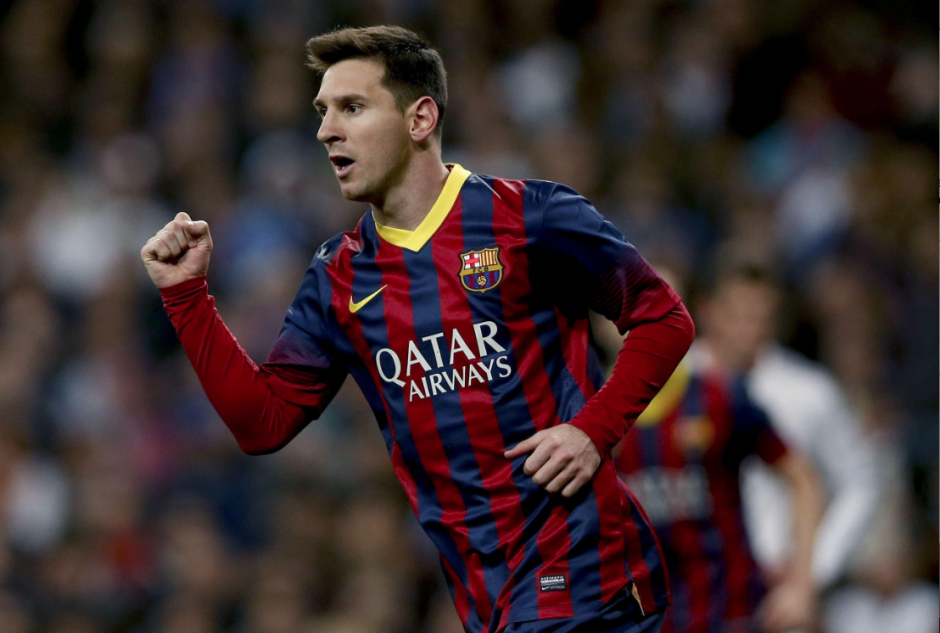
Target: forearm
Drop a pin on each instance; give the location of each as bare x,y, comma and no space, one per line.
243,395
650,354
808,507
839,533
852,478
792,602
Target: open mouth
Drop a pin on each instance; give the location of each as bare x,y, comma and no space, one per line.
342,165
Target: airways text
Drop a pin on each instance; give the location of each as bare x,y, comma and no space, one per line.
480,365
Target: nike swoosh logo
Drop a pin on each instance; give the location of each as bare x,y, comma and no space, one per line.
356,307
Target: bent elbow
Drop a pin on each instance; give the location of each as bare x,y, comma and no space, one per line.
277,437
688,325
257,451
255,447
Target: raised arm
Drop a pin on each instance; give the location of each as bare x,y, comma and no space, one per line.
263,407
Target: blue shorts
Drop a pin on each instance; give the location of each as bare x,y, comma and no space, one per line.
620,614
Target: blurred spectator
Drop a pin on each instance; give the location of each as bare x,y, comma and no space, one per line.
73,623
915,102
14,615
106,203
697,80
802,161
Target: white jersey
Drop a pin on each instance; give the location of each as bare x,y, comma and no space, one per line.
809,412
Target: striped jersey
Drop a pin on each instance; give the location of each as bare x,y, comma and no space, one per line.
682,458
467,336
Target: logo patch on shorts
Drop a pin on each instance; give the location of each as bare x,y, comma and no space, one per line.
553,583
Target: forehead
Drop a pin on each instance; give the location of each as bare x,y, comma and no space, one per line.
742,294
359,76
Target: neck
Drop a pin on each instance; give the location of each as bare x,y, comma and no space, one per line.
407,203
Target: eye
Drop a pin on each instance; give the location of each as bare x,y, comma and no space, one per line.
353,108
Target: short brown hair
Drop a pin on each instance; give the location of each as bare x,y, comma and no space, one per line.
413,69
742,270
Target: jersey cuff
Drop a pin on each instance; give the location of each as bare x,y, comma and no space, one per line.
604,434
184,289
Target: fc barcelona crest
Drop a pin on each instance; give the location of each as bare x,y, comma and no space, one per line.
694,434
481,270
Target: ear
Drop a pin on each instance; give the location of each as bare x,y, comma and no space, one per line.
424,117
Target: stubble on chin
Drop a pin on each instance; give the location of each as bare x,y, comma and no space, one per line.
355,193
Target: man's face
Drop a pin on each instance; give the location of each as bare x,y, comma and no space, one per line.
366,135
741,318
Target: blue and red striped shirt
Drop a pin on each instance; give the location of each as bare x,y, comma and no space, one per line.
467,336
682,459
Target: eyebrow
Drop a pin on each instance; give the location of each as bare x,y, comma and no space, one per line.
341,100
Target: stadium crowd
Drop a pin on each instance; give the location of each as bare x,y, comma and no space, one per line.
800,135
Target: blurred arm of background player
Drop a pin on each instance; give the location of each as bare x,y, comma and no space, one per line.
792,600
809,411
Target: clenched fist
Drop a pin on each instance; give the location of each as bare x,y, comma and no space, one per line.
179,251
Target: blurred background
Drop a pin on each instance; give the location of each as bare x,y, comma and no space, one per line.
802,134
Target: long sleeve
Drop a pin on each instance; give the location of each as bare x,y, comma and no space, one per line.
596,266
650,353
264,407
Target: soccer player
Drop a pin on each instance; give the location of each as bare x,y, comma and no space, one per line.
809,410
459,305
683,460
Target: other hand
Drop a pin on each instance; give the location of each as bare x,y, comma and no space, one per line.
179,251
563,458
789,605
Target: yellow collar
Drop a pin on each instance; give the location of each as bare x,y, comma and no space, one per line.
414,240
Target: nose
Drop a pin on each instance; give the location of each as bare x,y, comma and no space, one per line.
329,131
